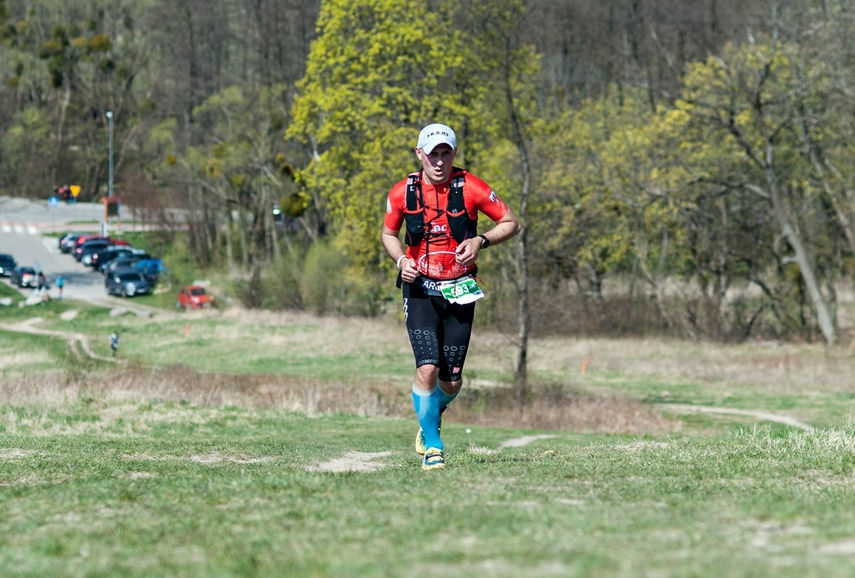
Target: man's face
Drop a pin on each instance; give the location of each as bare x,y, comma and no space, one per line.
437,165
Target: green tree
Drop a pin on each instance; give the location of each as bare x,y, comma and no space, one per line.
751,100
234,177
371,82
72,62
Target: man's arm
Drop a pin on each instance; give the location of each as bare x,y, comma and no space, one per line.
393,247
506,227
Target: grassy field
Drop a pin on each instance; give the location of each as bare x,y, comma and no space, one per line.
235,443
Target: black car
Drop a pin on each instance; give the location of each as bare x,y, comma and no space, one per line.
126,284
24,277
107,254
125,262
7,265
88,247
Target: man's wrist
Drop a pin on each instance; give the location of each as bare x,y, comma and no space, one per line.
485,242
401,258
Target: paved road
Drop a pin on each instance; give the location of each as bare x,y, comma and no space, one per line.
22,226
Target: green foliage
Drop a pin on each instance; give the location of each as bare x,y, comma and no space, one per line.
609,178
276,287
323,287
24,140
238,165
295,204
370,84
73,61
762,108
99,43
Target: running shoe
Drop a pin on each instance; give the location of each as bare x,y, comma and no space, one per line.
433,459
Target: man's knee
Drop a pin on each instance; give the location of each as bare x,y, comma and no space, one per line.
426,376
450,387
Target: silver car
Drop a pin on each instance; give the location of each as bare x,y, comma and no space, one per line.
126,284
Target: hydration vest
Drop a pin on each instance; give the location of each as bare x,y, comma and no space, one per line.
460,225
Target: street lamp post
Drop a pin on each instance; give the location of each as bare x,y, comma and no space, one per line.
110,177
110,120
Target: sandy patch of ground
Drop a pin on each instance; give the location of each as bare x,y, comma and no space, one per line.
353,462
523,441
15,453
639,445
217,458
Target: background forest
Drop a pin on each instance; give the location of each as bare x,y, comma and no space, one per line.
679,167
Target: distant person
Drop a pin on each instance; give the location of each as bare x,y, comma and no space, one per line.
41,283
60,281
114,342
439,205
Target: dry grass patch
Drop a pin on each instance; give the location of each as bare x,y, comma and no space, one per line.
559,408
331,335
763,366
117,392
18,359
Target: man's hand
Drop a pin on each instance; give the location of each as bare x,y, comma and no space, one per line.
467,251
393,248
409,272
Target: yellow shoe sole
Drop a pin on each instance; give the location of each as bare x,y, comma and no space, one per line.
433,460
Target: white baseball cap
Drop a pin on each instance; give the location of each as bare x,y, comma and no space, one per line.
436,134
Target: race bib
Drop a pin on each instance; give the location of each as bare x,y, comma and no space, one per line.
460,291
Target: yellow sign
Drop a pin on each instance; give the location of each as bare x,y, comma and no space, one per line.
75,190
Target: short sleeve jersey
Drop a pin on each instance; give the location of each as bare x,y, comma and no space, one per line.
435,256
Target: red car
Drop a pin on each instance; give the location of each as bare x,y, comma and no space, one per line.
83,238
194,297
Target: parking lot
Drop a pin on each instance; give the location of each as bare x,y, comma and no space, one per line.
22,226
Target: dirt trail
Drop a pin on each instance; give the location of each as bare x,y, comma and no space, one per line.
759,415
78,342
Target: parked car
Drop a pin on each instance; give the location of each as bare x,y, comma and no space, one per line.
126,284
84,252
66,242
83,238
7,265
24,277
108,254
151,269
86,249
124,262
194,297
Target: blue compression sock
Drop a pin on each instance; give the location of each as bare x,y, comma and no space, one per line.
445,398
426,404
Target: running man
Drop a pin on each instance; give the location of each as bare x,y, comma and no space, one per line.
440,205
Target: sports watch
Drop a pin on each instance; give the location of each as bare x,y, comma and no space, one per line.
485,242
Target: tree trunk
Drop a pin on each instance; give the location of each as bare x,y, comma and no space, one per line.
803,260
523,313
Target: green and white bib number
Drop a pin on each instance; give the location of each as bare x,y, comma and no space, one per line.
461,291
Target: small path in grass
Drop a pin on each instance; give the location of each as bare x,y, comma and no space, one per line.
759,415
77,342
